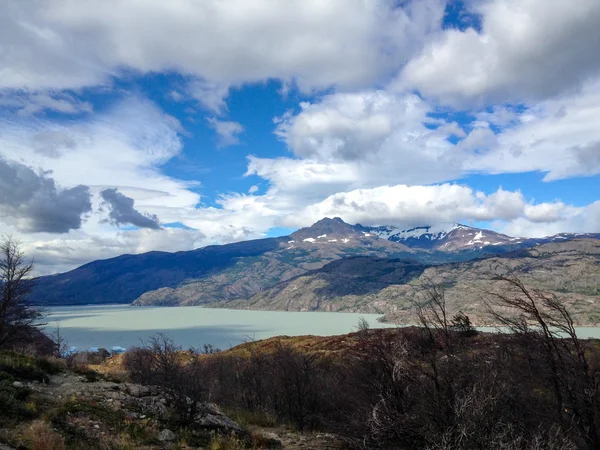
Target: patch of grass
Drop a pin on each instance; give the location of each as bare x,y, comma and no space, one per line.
246,418
17,403
13,405
27,368
230,442
90,375
68,417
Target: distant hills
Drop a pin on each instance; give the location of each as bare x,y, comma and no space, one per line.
332,266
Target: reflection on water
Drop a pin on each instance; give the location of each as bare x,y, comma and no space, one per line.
108,326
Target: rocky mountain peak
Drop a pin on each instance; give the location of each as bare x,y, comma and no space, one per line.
327,228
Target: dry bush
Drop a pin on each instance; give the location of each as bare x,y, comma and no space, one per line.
230,442
180,374
42,437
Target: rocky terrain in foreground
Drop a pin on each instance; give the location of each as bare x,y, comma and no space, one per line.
83,408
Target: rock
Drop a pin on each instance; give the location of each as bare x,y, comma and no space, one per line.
137,390
131,415
18,384
271,440
223,423
96,427
166,435
214,419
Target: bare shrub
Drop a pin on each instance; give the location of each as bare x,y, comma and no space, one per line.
559,359
19,320
43,437
180,374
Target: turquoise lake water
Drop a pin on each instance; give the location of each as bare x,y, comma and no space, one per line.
124,326
108,326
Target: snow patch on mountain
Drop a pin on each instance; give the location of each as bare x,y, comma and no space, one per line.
438,231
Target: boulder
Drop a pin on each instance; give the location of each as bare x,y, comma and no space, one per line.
137,390
166,435
212,418
270,440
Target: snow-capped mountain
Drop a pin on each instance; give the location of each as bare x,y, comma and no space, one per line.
444,237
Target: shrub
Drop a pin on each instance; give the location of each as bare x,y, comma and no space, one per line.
42,437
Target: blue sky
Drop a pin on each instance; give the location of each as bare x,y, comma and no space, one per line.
134,126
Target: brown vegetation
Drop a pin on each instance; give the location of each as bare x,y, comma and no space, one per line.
437,386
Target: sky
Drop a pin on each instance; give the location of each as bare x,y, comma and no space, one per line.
128,126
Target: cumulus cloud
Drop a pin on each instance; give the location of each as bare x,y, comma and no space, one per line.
408,206
378,136
33,202
558,136
525,51
124,147
571,219
122,211
67,44
228,131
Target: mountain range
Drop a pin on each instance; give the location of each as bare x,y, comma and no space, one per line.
335,266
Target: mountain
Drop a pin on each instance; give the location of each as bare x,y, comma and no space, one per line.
445,237
215,273
570,270
458,237
234,273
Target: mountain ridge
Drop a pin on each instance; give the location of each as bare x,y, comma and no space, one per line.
217,275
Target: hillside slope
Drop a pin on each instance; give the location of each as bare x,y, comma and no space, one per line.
221,274
570,270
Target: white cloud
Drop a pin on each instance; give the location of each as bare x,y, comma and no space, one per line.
570,219
408,206
68,44
52,254
527,50
210,94
25,102
369,138
123,147
560,136
228,131
377,136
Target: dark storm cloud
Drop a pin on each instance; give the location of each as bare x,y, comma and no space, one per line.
32,201
123,212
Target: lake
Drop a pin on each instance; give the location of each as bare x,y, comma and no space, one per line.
190,326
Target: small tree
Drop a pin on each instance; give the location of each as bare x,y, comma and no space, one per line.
462,324
564,363
18,319
363,326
